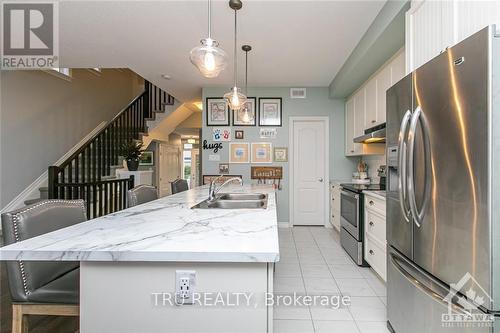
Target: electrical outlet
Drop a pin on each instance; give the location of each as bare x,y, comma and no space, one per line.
185,282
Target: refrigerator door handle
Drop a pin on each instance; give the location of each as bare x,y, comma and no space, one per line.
402,158
429,286
419,116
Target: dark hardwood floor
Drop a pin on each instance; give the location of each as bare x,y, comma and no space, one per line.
37,324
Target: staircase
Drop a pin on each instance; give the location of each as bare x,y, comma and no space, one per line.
89,173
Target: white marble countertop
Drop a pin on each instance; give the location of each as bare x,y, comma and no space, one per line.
377,194
166,229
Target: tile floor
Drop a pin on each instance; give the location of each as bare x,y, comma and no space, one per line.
313,262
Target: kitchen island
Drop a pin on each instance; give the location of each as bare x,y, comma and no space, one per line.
128,263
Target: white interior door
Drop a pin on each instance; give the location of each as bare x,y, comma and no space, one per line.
170,167
309,170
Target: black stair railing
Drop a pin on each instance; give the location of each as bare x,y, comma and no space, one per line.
87,173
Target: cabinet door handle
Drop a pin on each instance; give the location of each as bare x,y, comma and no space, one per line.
371,252
371,203
371,223
373,121
352,151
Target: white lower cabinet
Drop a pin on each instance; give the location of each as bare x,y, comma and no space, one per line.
374,234
335,205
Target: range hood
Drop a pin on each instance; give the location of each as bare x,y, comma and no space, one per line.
374,134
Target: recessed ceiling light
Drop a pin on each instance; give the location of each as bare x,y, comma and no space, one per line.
166,76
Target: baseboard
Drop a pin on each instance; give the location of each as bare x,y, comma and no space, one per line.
283,225
32,190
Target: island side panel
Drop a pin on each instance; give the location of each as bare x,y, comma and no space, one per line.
120,297
270,289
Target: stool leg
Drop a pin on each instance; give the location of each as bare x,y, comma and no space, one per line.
18,319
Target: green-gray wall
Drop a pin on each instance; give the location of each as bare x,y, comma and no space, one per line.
317,103
384,37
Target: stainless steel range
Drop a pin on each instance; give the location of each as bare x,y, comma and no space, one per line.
352,219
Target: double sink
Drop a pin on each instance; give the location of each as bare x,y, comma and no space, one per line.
235,201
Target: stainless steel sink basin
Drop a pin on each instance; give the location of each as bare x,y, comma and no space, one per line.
240,204
242,196
235,201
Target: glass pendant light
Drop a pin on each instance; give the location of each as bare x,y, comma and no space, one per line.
234,98
209,58
246,113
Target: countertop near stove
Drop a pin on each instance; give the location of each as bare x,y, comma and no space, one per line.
377,194
166,229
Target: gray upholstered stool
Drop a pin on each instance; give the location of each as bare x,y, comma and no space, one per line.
141,194
41,287
179,185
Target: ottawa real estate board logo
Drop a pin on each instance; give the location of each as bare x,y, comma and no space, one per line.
30,35
466,312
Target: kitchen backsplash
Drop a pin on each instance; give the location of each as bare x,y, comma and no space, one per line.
374,161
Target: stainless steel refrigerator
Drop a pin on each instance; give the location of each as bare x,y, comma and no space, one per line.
443,192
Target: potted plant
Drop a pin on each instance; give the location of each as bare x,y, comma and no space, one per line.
131,152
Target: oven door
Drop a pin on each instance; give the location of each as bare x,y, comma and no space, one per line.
349,213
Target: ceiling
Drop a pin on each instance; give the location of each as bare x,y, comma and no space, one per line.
295,43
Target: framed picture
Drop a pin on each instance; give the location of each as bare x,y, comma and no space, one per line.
281,154
262,152
224,168
208,178
217,112
270,111
238,135
239,152
147,158
238,115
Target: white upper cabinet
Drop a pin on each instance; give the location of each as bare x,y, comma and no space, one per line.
359,112
371,103
367,106
432,26
349,128
424,32
384,82
473,16
398,68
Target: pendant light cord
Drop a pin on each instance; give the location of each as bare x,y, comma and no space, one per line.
235,42
246,73
210,19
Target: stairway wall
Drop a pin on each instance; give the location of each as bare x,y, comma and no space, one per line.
43,116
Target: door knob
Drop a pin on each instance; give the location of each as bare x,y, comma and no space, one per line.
320,180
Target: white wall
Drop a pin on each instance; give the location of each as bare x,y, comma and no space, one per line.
317,103
42,116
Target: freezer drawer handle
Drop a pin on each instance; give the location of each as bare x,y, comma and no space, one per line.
438,295
402,191
419,116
